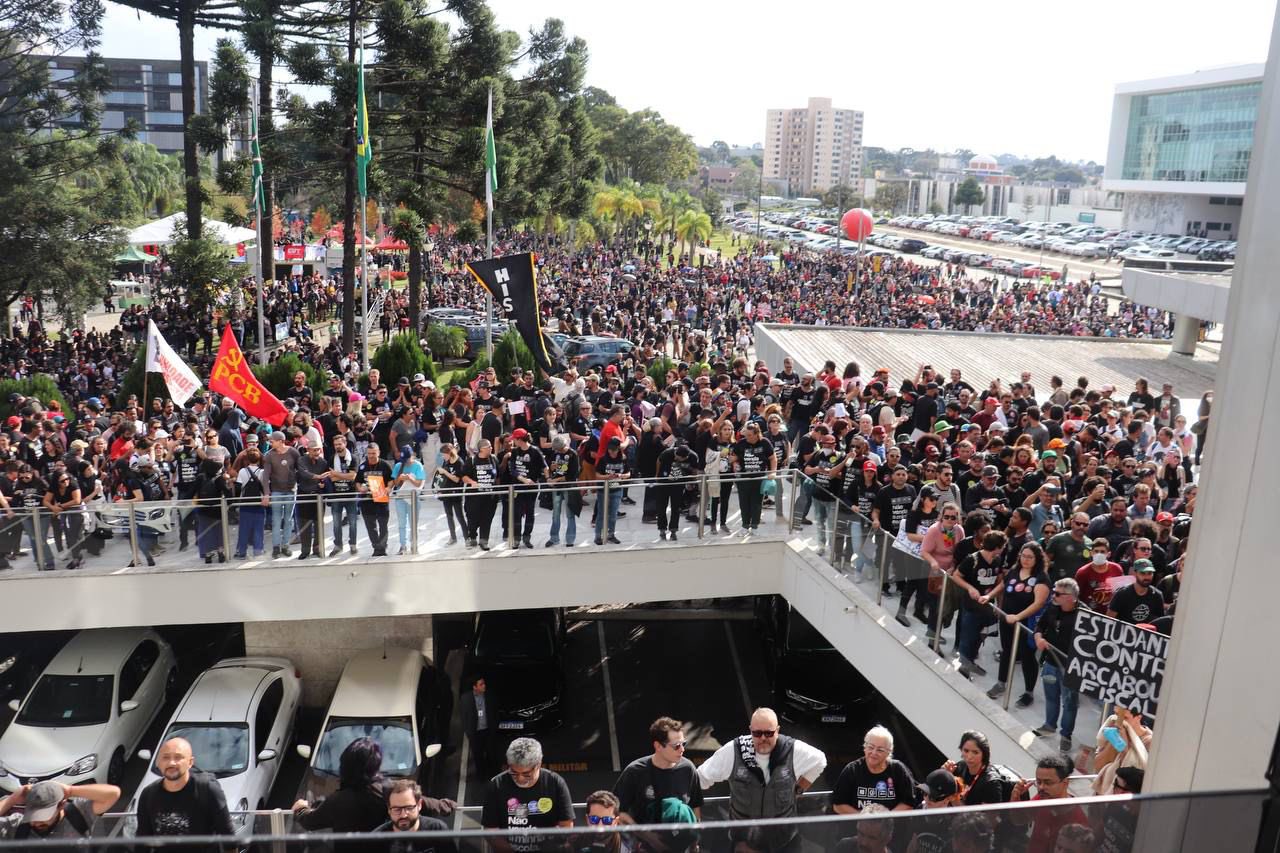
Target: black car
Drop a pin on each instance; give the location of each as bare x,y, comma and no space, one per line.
811,680
911,245
519,654
23,656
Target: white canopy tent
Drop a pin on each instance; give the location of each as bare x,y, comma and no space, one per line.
160,232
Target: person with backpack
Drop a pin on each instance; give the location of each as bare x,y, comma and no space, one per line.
251,487
212,486
54,810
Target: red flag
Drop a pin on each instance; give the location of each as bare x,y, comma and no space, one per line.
232,377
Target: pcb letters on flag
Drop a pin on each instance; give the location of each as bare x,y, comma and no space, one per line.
178,378
232,377
513,283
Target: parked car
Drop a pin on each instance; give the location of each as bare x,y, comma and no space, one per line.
933,252
1088,250
593,352
520,654
1004,265
89,709
810,679
238,717
23,656
393,695
912,245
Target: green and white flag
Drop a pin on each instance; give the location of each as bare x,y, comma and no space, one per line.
259,190
490,158
364,145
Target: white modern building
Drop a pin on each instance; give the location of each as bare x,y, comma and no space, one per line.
1180,149
813,148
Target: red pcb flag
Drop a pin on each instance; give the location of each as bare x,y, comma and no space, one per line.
232,377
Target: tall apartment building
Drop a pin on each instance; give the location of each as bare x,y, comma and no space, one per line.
148,91
813,148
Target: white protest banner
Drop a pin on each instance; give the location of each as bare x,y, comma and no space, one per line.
180,379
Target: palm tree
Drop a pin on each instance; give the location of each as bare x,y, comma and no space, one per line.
604,207
692,227
673,205
157,178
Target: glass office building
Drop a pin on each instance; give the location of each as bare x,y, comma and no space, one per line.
1201,134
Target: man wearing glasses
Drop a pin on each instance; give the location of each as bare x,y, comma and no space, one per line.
766,771
1052,775
1054,634
404,807
647,782
526,797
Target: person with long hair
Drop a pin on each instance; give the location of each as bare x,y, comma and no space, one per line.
981,781
1022,597
359,804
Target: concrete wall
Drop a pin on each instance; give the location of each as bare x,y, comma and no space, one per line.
1220,703
1172,213
321,647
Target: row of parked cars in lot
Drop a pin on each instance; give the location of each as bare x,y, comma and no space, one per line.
87,702
1089,241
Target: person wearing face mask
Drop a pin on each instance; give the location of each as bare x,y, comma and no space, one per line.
1093,578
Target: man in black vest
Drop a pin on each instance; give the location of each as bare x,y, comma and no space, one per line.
766,771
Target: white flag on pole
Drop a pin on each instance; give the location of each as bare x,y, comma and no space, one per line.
180,379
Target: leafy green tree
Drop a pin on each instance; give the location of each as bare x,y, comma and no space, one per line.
199,267
277,376
842,196
889,196
969,193
65,193
693,227
402,356
746,184
935,208
641,146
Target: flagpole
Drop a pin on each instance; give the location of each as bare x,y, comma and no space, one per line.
490,177
257,227
364,281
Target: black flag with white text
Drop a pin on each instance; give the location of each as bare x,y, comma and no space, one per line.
513,283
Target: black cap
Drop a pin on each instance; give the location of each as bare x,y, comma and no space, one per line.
939,785
404,380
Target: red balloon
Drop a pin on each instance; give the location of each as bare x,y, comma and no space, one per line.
857,223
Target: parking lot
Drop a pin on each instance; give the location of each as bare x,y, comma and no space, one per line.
701,662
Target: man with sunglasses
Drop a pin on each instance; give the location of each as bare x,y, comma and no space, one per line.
646,782
766,771
1054,634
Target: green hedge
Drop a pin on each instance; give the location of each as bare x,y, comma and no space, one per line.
402,357
278,375
39,387
510,351
132,383
658,371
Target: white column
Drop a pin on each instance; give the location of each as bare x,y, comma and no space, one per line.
1186,334
1220,705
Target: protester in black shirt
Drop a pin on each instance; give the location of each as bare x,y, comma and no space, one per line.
448,486
1022,595
526,797
1053,635
183,802
373,482
877,782
526,467
752,457
563,468
480,476
1140,602
405,805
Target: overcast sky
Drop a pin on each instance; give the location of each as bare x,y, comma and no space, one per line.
1031,78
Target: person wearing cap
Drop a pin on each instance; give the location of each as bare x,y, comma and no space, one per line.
1140,601
526,467
1045,504
281,466
314,473
615,470
54,810
407,476
926,412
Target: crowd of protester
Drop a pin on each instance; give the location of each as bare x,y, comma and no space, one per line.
659,799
